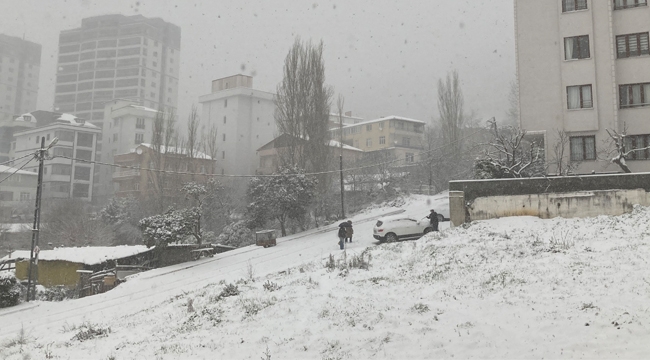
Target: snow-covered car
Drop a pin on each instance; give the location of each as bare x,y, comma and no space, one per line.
400,228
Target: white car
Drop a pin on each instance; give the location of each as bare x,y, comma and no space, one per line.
401,227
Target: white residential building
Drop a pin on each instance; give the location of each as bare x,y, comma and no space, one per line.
69,176
583,67
245,121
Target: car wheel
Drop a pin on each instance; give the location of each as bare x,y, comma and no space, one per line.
441,218
391,237
428,230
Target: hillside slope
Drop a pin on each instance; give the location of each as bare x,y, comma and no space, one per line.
507,288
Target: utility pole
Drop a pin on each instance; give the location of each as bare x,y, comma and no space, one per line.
40,156
340,106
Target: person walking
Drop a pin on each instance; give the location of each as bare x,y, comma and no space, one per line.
343,233
348,232
433,219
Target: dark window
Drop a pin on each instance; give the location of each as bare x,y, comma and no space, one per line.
81,173
84,139
139,123
624,4
637,142
576,47
573,5
579,97
632,95
84,155
409,157
80,191
58,169
632,45
583,148
64,136
139,138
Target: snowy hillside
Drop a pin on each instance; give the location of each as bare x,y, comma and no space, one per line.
508,288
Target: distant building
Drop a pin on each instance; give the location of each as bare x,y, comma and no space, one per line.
245,120
345,118
269,153
127,125
117,56
17,193
583,67
130,180
20,63
69,177
402,137
23,122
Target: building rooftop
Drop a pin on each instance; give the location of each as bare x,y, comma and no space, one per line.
10,170
83,255
174,150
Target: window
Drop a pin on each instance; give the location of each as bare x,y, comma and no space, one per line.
224,119
155,64
406,141
381,125
225,103
576,47
579,97
583,148
139,138
80,191
368,142
223,154
84,154
624,4
382,140
224,137
369,127
6,196
139,123
81,173
409,157
638,142
632,95
114,137
573,5
632,45
24,196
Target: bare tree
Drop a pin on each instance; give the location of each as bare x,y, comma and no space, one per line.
162,139
451,108
193,142
209,141
303,106
510,155
561,155
623,148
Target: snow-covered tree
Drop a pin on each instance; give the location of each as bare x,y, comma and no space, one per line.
509,155
280,198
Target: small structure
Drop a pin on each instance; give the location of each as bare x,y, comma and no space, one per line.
265,238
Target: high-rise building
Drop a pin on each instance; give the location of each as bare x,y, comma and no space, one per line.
244,120
117,56
20,62
583,68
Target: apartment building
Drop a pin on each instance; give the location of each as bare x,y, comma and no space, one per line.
18,192
117,56
69,177
127,125
131,179
245,121
20,62
403,137
583,67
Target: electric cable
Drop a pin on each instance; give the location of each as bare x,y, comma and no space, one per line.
14,160
17,170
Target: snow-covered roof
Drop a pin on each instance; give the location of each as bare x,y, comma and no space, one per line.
83,255
139,107
177,150
16,228
392,117
73,120
10,170
335,143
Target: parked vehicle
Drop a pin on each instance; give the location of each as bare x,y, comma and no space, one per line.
401,228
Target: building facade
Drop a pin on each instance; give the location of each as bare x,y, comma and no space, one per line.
20,63
245,121
117,56
583,67
131,178
127,125
69,177
400,136
17,193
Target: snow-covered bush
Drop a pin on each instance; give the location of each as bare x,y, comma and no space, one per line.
9,290
55,293
236,234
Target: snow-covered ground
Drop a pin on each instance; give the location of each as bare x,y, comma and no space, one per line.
508,288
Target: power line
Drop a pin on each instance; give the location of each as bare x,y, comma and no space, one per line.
14,160
17,170
270,175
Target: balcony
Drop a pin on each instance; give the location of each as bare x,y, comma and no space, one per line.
126,174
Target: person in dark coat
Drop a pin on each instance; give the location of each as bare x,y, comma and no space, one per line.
343,233
433,219
348,232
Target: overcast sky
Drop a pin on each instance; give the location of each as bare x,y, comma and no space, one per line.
384,56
